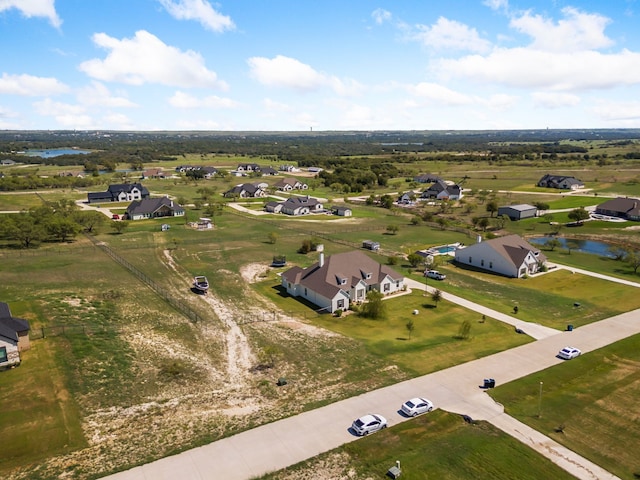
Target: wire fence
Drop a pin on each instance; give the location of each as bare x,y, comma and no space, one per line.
158,289
71,330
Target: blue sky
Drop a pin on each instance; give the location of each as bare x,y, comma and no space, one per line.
330,65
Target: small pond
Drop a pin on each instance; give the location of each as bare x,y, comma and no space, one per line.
586,246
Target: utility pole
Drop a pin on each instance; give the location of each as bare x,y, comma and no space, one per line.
540,402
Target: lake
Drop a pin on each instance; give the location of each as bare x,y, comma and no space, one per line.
55,152
586,246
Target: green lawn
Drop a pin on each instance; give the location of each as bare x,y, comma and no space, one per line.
438,445
589,404
557,291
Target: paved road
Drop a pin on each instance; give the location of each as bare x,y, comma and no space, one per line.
456,389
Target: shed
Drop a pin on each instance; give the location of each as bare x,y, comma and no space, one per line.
518,212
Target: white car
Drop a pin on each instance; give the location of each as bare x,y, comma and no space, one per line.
435,274
567,353
369,424
416,406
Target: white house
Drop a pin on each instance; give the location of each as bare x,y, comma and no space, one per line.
342,279
14,337
511,256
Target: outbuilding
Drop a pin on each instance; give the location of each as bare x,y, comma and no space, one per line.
518,212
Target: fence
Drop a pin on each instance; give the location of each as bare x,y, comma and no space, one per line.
70,330
166,296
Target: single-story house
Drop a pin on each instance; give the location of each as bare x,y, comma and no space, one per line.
273,207
153,208
153,173
622,207
76,174
268,171
510,256
342,279
442,190
518,212
288,168
14,337
289,184
426,178
302,206
246,190
562,182
341,211
185,168
209,171
248,167
406,198
121,192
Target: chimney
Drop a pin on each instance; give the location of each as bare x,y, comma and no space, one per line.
478,238
321,262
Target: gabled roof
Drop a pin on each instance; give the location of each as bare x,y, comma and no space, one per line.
626,206
117,188
523,207
296,202
151,205
352,267
10,326
287,181
514,248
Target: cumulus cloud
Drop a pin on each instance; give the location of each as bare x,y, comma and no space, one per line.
34,8
439,94
497,4
554,99
201,11
28,85
185,100
288,72
618,111
449,34
381,15
577,31
528,68
66,115
146,59
97,94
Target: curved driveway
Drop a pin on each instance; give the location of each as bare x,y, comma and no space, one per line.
456,389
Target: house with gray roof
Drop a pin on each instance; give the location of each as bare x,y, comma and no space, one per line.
121,192
288,184
340,280
246,190
622,207
510,256
153,208
14,337
562,182
442,190
302,206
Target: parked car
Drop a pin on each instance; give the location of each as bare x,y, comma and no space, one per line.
567,353
369,424
115,216
416,406
435,274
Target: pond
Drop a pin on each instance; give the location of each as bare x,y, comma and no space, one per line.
55,152
586,246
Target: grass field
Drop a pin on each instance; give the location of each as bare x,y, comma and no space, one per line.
436,445
588,404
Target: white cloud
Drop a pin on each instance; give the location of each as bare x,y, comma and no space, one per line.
381,15
497,4
97,94
576,32
118,121
527,68
184,100
554,99
34,8
284,71
201,11
273,106
28,85
146,59
619,111
66,115
449,34
438,94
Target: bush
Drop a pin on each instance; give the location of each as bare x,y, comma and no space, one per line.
338,313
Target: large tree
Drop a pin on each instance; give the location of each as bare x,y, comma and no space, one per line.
374,307
578,215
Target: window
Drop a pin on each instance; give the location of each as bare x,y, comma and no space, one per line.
3,354
305,292
482,263
386,287
341,303
490,264
470,260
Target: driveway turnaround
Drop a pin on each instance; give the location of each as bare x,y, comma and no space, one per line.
291,440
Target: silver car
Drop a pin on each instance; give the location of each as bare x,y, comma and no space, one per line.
416,406
369,424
